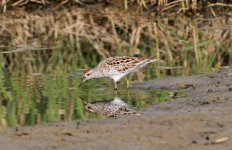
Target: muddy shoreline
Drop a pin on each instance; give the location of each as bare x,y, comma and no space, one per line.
201,119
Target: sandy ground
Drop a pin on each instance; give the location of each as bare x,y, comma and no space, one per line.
200,120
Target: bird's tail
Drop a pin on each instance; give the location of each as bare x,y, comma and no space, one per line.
147,61
150,59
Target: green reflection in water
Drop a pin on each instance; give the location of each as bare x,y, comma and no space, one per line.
43,98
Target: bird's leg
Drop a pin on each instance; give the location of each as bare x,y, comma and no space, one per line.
115,93
127,83
115,86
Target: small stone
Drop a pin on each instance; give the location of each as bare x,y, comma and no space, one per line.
194,142
210,91
230,89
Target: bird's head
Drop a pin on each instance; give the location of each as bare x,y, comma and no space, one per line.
88,74
89,107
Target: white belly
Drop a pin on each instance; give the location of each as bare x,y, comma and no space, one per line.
117,77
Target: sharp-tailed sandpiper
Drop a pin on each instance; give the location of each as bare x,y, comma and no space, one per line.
116,68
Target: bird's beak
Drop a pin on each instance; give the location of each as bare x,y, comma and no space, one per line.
82,81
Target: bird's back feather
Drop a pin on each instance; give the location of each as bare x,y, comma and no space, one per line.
125,63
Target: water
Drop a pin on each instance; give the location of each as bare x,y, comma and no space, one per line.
42,98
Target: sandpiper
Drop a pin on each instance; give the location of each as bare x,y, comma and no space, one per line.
116,68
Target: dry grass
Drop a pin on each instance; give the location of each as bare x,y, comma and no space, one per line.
70,34
157,5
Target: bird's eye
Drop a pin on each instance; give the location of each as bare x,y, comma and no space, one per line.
88,74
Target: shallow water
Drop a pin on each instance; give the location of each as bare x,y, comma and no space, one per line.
43,98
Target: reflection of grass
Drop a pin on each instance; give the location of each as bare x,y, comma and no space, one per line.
48,98
145,98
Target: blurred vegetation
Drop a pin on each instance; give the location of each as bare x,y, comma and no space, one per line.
80,34
38,98
43,41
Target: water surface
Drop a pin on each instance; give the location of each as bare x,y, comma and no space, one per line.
43,98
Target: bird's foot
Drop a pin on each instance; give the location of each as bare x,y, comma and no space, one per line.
127,83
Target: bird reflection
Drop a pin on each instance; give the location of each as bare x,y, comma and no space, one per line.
113,108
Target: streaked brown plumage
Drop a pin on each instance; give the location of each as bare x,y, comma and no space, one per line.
116,68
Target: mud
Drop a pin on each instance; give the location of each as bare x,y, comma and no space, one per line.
202,119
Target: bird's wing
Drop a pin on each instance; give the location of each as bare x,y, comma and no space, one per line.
144,62
120,63
125,63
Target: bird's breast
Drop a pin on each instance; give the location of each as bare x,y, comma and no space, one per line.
118,76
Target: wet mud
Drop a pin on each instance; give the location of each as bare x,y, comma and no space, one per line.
201,119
